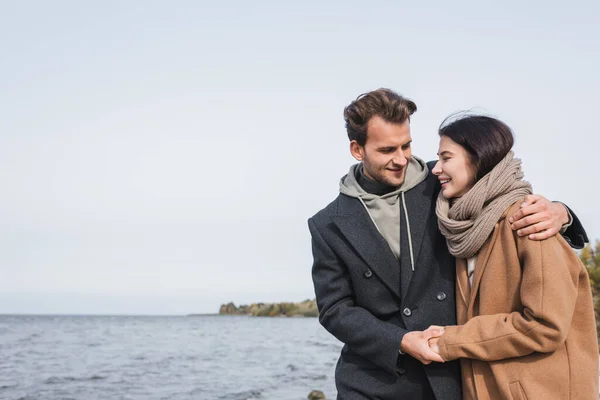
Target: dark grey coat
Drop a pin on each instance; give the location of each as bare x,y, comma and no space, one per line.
369,299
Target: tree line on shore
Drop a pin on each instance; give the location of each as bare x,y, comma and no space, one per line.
306,308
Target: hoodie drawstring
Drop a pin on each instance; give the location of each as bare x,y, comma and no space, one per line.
412,260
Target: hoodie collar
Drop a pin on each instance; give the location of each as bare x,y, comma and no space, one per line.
371,186
416,172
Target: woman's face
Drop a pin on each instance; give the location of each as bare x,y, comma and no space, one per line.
454,169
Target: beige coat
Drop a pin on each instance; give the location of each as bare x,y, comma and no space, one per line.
527,328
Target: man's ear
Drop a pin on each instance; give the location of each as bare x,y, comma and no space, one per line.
357,150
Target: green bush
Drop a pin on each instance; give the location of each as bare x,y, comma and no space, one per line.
590,257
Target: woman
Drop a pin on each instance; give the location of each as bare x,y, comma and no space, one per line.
525,308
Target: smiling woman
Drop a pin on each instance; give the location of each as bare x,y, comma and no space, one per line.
455,169
524,308
469,149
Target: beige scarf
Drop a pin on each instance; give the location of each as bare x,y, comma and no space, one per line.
472,217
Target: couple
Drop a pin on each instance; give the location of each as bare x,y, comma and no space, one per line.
391,248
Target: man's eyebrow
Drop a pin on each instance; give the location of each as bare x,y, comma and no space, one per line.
394,147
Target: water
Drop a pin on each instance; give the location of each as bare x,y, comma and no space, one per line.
145,358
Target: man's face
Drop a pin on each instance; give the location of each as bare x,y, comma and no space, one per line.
386,152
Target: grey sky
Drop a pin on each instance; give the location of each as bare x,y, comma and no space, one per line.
163,157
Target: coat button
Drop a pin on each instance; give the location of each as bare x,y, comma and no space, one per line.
441,296
368,273
407,312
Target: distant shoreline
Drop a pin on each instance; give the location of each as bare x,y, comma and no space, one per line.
103,315
306,308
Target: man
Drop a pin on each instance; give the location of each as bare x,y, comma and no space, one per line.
382,272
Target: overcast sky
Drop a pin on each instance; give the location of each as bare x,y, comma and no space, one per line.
162,157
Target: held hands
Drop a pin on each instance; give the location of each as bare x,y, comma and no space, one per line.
539,218
433,342
416,343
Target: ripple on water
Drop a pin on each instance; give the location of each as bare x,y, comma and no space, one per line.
245,395
154,358
53,380
8,386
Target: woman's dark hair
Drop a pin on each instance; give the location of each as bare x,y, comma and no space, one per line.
486,139
385,103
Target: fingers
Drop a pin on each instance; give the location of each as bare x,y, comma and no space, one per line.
528,217
433,332
538,218
531,198
545,234
435,327
417,345
429,357
434,347
538,227
432,356
530,214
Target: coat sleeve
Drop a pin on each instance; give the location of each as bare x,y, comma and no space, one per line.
549,289
575,234
366,335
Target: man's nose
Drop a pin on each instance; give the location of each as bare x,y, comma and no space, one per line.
400,159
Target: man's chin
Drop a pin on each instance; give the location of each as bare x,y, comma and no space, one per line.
394,182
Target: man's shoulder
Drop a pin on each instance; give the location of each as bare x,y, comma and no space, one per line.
431,178
431,164
329,210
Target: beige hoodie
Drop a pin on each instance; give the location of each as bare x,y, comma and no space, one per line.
385,210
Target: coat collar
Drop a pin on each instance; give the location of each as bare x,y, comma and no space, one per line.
357,227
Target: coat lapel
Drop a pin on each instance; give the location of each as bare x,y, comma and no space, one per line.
419,205
357,227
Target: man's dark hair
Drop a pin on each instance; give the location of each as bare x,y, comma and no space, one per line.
486,139
384,103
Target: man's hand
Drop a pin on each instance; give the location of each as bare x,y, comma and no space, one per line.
416,343
539,218
433,344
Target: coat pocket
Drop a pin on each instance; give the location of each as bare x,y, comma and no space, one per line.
516,391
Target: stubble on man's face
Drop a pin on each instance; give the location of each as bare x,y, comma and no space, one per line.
387,152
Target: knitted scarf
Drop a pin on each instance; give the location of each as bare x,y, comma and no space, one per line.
471,219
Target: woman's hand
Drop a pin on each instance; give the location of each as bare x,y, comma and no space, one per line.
433,341
433,344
